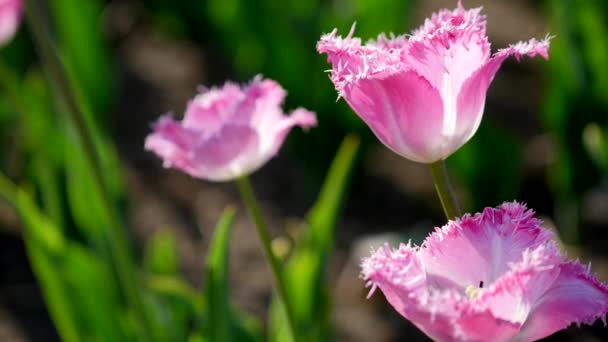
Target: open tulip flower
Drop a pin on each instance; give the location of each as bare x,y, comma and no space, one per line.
422,95
10,17
494,276
227,132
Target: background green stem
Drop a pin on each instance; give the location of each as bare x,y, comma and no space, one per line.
262,230
444,189
117,240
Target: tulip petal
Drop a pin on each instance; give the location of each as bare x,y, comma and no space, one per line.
472,96
171,141
399,267
514,294
400,276
488,241
211,108
299,117
483,326
235,145
265,98
205,157
449,47
404,111
351,61
576,296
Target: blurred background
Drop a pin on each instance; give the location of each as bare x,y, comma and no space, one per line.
543,141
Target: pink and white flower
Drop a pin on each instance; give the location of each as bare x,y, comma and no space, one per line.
10,18
423,94
494,276
227,132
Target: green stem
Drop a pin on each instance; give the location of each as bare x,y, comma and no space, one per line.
444,189
117,240
262,230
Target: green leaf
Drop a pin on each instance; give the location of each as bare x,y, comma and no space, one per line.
217,286
278,325
84,197
46,179
94,293
39,227
44,245
81,43
222,322
305,270
174,301
171,286
324,213
174,304
56,295
161,256
39,124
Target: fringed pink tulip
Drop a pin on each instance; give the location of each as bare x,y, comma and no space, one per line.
422,94
10,18
228,132
494,276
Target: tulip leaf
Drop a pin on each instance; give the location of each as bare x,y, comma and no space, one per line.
324,213
44,244
222,322
305,270
217,290
54,290
160,256
84,195
93,290
172,298
84,51
39,227
172,286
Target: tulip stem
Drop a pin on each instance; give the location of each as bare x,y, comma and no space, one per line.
444,189
248,197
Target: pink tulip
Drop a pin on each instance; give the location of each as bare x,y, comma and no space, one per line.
227,132
422,94
494,276
10,17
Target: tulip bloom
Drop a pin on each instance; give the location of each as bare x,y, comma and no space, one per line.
228,132
423,94
494,276
10,17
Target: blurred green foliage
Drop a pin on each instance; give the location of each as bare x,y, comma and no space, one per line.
576,105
